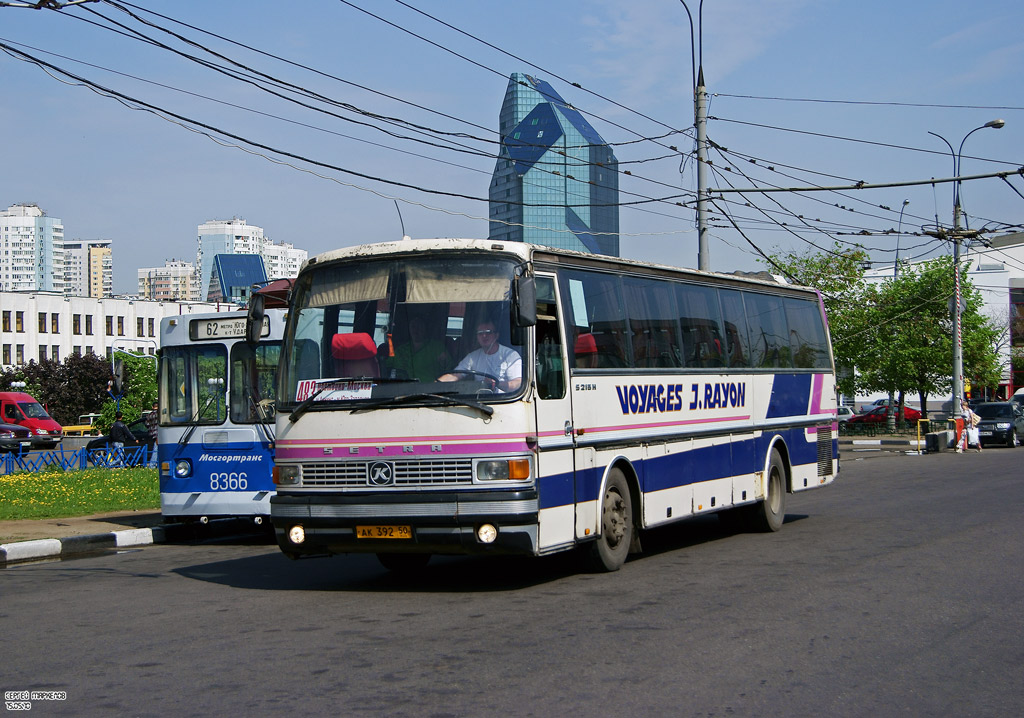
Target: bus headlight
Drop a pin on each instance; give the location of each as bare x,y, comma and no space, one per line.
503,470
182,469
296,534
486,533
285,475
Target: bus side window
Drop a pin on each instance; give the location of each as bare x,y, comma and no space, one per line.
596,307
736,344
702,326
550,366
769,334
653,320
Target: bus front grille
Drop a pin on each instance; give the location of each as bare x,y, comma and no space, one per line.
406,474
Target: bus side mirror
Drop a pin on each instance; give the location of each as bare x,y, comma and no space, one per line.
524,301
254,320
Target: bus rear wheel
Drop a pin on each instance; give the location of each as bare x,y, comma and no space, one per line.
611,548
769,514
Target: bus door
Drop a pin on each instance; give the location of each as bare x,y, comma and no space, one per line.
555,462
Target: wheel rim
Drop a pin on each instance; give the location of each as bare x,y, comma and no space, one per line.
774,492
614,522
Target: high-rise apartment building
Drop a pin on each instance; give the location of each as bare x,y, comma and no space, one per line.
175,281
234,236
88,268
556,181
31,250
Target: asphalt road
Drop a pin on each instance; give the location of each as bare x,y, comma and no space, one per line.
895,591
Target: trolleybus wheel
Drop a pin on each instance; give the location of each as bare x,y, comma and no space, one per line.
768,515
404,562
609,551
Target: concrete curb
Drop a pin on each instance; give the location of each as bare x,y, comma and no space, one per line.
40,549
71,546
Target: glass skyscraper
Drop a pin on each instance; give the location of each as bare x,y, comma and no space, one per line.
556,181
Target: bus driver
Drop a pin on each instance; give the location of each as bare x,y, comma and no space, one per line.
499,363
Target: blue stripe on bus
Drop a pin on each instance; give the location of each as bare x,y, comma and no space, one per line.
791,394
684,467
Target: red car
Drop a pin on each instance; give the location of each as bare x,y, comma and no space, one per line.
880,414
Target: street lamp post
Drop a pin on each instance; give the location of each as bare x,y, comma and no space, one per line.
891,417
958,360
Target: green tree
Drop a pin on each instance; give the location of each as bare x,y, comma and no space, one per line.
138,391
69,389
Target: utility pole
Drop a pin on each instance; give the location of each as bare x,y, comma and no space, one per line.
701,122
956,236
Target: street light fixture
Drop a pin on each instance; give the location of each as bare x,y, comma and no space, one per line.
958,359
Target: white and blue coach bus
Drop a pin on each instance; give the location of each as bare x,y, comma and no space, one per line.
216,432
620,396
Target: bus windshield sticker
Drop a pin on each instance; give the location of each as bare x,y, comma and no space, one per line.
334,390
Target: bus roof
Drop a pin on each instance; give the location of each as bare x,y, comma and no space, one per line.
531,252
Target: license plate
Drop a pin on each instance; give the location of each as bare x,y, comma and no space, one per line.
984,433
384,532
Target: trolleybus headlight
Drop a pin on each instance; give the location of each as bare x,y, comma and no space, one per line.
486,533
285,475
504,470
183,469
296,534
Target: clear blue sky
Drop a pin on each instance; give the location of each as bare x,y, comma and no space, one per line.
146,183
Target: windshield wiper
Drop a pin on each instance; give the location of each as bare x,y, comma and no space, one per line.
194,424
446,399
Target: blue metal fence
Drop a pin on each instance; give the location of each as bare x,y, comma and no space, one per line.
77,459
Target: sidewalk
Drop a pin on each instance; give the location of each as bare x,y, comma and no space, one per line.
38,539
33,539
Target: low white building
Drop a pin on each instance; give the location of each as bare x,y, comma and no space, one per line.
48,325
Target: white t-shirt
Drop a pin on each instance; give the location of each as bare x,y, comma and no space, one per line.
505,364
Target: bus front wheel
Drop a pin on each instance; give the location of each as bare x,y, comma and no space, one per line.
769,514
609,551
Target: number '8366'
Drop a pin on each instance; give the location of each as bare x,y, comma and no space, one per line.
229,482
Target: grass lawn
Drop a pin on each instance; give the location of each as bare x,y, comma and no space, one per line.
57,494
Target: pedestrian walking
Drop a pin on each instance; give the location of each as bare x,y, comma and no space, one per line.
969,436
119,436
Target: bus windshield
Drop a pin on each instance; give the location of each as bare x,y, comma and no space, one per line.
415,330
192,384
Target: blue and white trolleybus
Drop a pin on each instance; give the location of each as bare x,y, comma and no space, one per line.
216,433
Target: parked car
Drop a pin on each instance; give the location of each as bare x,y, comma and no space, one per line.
14,437
843,414
879,415
17,407
1002,422
98,450
865,408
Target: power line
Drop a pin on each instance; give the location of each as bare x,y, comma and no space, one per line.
870,102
